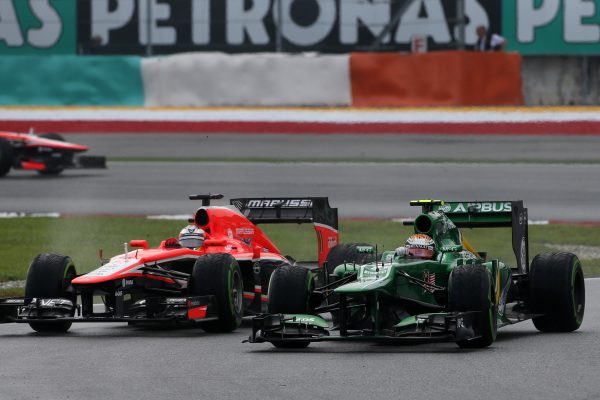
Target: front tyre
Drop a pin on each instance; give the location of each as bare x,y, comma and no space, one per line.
49,276
290,289
557,290
470,289
220,275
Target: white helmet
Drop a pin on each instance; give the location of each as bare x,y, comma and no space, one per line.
191,237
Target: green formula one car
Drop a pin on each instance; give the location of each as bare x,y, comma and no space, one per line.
403,295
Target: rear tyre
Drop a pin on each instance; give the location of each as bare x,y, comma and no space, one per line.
50,276
340,254
557,290
220,275
6,156
54,170
470,289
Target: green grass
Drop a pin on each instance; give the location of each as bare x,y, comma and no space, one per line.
82,237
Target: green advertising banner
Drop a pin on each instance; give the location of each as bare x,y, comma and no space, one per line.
552,27
38,27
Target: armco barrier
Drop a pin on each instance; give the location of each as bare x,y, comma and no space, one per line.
263,79
70,80
451,78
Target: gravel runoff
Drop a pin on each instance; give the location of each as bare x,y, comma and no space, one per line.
12,285
583,252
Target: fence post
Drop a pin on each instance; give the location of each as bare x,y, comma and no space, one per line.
460,16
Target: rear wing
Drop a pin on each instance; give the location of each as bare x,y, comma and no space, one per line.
494,214
489,214
295,210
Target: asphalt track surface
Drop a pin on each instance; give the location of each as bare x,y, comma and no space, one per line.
344,147
110,361
378,190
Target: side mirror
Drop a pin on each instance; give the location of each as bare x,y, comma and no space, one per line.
139,243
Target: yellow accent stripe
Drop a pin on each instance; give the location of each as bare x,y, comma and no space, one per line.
467,246
497,285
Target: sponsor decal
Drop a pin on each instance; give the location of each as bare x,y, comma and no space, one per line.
306,320
52,302
194,303
371,272
13,301
552,26
484,207
128,26
112,267
244,231
285,203
127,282
229,233
364,249
429,279
37,26
523,253
245,235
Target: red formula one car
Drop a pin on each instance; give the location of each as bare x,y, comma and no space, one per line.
48,153
216,284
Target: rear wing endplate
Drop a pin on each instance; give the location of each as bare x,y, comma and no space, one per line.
286,210
494,214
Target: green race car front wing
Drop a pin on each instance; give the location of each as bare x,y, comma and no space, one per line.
437,327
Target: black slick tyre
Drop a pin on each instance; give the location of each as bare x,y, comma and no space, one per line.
6,156
54,170
347,253
557,290
49,276
290,288
220,275
470,289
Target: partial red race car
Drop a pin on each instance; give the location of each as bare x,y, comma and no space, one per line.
48,153
215,284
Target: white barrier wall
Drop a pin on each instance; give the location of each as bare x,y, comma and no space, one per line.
218,79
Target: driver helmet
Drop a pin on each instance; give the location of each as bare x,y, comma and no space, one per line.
191,237
420,246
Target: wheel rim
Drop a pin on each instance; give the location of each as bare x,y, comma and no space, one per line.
578,295
236,292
